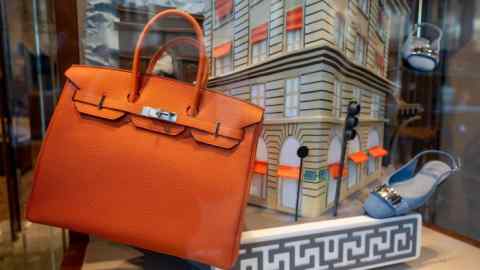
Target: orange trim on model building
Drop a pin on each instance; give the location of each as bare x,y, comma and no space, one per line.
223,7
358,157
222,49
377,151
295,19
334,170
260,167
288,171
259,33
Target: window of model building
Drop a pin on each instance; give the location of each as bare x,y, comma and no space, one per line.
333,161
223,58
292,100
356,94
340,31
294,24
380,62
257,94
375,110
223,11
288,173
258,187
373,142
259,43
337,99
259,30
360,49
355,160
222,49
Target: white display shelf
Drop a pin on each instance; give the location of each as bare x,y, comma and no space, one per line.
348,243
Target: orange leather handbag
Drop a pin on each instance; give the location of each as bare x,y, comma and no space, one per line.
148,161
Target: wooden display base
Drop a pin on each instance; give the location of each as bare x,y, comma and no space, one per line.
349,243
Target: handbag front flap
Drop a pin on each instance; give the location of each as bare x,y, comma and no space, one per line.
163,106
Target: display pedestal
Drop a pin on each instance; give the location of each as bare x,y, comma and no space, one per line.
349,243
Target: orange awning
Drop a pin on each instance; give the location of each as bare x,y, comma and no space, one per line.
295,19
377,151
358,157
260,167
334,170
222,49
223,7
259,33
288,171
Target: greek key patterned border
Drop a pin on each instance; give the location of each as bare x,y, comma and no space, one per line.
359,247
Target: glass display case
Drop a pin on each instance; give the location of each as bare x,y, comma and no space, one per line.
365,158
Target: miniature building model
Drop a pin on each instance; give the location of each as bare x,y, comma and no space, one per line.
304,61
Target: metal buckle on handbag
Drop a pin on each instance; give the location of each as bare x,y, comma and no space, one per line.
159,114
389,194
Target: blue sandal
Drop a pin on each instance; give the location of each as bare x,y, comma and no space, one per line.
406,190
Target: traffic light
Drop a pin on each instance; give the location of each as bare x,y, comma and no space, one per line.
349,133
351,121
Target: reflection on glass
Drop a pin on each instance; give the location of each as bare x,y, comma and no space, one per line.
30,81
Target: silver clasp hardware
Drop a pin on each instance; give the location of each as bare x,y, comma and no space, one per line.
458,166
389,194
159,114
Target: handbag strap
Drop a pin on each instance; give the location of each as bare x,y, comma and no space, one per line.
136,73
172,43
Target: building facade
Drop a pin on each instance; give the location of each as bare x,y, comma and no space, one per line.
304,61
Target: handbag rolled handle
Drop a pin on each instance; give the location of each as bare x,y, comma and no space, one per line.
136,73
172,43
